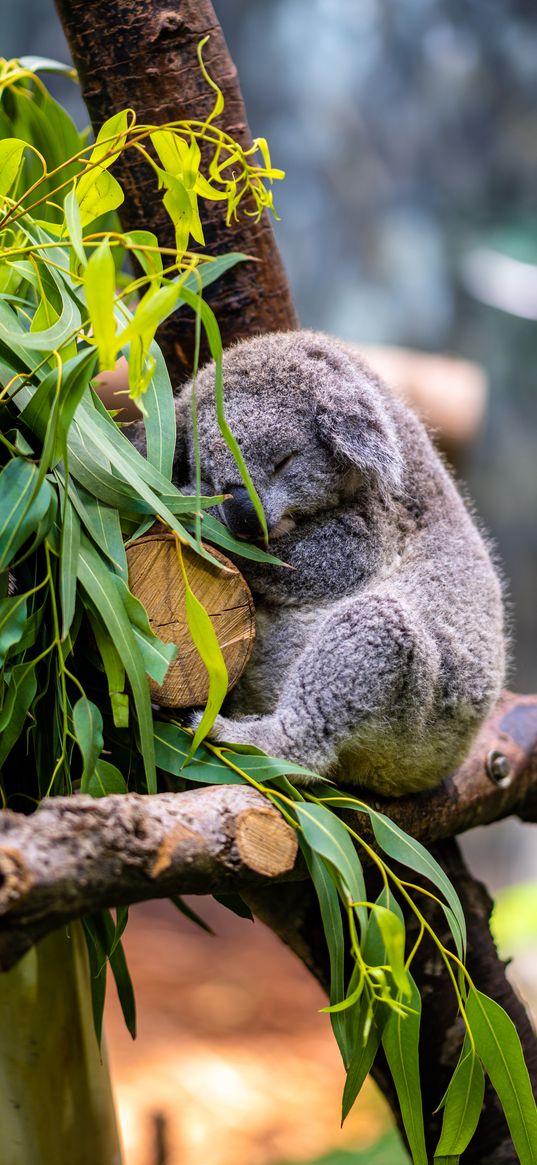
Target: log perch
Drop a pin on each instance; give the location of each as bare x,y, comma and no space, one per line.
156,580
77,854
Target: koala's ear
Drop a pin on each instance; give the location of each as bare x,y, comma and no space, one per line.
354,422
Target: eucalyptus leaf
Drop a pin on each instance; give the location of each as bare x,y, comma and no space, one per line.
13,617
400,1041
462,1106
328,837
69,548
95,578
105,779
329,905
498,1046
88,729
22,507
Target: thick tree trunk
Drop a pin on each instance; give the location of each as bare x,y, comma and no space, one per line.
139,55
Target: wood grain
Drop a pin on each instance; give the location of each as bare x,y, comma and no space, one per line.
155,578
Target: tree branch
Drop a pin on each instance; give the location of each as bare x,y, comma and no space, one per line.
125,849
77,854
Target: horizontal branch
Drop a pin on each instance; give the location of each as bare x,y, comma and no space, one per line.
76,854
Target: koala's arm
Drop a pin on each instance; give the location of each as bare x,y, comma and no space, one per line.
358,703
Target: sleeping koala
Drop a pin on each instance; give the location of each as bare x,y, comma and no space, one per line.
380,652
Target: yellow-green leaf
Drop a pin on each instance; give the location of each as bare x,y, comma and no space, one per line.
11,151
97,192
206,642
100,286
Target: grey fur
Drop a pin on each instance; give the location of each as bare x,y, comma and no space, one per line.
378,656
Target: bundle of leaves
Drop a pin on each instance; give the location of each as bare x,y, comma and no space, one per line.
76,646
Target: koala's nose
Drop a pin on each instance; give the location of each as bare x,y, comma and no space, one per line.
239,514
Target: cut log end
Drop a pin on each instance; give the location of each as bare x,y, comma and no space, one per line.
265,842
155,578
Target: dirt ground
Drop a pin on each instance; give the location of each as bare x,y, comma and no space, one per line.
233,1064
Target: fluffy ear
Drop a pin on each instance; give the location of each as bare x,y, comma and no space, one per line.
354,422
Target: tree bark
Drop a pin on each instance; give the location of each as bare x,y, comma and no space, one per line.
122,849
139,55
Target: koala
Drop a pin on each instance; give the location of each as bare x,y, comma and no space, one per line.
380,646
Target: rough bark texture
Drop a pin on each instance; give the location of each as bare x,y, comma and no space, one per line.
140,55
77,855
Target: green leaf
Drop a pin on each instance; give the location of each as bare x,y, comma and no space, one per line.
392,929
96,580
260,766
74,225
13,617
498,1046
46,65
189,913
21,690
214,531
103,944
105,528
98,192
100,287
88,729
97,968
173,746
69,548
236,904
124,987
160,420
134,470
214,339
206,642
115,672
327,836
11,151
110,139
405,849
330,908
22,508
156,654
105,779
400,1040
50,410
153,308
462,1106
367,1040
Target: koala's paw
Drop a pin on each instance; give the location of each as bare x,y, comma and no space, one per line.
192,719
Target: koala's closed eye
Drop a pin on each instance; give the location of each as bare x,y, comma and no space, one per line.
285,461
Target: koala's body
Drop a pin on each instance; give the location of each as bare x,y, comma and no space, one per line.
380,653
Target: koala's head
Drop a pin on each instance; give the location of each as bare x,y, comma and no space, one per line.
312,425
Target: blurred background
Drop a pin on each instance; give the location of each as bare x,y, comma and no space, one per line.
408,131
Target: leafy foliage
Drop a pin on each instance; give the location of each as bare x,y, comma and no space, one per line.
76,647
